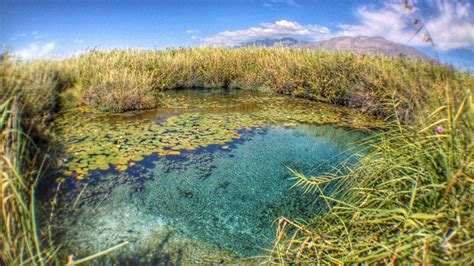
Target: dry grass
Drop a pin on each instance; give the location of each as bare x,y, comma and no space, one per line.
367,83
20,171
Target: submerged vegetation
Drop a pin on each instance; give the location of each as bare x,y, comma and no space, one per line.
409,199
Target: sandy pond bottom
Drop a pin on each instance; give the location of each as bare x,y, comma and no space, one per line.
212,204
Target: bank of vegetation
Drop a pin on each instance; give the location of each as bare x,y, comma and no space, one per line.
410,199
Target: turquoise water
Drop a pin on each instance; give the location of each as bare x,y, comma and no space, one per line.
228,197
232,197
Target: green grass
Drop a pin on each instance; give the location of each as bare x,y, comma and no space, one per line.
20,169
123,80
409,200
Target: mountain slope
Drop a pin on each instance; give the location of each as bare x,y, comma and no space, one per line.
358,45
366,45
287,41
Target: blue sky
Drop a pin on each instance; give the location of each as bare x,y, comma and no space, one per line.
43,28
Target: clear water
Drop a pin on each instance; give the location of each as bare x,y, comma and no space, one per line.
232,197
205,201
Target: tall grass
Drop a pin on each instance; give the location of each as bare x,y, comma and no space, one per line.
409,200
20,169
29,98
36,85
121,80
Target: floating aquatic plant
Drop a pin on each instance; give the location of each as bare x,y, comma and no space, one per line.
95,141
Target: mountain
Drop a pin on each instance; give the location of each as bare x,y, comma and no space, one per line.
366,45
358,45
287,41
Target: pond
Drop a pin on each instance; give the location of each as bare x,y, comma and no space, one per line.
200,179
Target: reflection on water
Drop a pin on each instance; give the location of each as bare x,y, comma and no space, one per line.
203,178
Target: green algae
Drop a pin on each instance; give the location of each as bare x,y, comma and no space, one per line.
98,141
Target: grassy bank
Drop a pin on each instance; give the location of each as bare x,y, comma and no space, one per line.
29,98
410,199
129,79
122,80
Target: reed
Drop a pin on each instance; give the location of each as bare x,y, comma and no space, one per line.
121,80
29,99
22,164
409,200
21,169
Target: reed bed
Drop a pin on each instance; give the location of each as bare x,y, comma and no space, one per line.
409,201
27,101
20,168
121,80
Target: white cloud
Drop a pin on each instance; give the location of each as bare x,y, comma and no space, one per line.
279,29
194,34
451,28
318,29
36,50
37,35
389,22
17,36
78,41
454,27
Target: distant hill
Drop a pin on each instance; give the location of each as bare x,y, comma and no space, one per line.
366,45
359,45
287,41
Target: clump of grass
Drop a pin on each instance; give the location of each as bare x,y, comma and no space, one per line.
36,85
20,169
121,90
409,200
115,83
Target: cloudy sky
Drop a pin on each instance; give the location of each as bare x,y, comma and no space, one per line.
58,28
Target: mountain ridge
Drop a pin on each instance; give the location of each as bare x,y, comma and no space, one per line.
360,45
